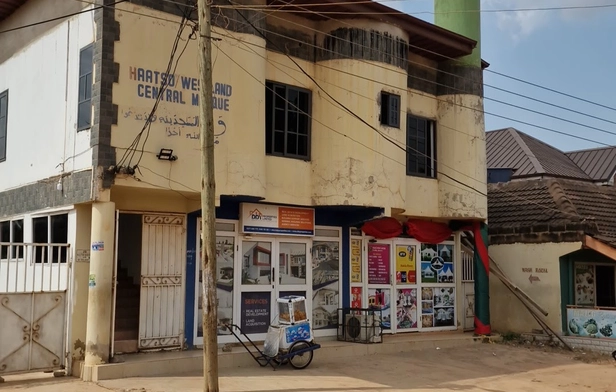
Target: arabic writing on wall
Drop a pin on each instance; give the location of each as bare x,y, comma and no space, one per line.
180,89
175,126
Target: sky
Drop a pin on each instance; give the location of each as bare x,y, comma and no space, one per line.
565,50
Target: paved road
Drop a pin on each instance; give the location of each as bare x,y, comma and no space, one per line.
478,368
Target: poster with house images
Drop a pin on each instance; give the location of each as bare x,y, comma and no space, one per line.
225,253
406,308
427,307
381,299
438,307
584,284
437,263
325,284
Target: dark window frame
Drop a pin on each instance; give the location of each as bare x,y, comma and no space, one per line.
84,92
270,121
15,235
4,124
58,254
390,110
416,155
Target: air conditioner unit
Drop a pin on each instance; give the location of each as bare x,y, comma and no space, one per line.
362,328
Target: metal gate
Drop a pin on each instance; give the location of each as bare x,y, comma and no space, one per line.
34,281
161,318
468,290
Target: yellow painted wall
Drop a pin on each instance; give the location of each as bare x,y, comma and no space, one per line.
507,314
350,162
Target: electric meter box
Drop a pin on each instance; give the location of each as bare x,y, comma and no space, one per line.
292,309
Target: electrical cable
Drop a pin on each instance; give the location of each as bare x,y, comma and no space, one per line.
62,17
273,62
131,152
453,59
405,73
437,98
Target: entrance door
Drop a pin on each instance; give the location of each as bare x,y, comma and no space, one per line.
405,287
272,268
161,320
380,282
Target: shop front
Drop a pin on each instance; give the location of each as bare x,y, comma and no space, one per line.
593,311
269,252
412,283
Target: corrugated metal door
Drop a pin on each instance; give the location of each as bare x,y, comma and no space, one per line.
161,319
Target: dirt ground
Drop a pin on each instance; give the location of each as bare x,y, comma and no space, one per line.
513,366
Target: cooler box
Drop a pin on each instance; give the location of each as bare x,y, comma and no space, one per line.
295,333
292,309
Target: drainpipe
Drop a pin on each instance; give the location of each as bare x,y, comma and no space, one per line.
462,137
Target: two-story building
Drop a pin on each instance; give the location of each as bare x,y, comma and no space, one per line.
333,123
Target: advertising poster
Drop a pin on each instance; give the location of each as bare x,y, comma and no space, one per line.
255,309
355,261
437,263
585,284
378,264
325,284
356,297
381,299
438,307
593,323
406,268
406,309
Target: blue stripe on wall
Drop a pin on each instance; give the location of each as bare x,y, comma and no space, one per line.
191,263
346,266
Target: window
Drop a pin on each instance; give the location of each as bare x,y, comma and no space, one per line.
4,113
390,110
420,149
287,121
12,231
50,230
84,109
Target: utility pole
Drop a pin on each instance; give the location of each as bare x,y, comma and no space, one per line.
208,205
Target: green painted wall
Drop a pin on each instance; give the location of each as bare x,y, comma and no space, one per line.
462,17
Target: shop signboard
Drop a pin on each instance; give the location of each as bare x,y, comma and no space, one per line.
355,261
406,270
378,264
591,323
271,219
255,312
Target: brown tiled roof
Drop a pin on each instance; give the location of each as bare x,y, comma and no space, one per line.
598,163
561,203
529,157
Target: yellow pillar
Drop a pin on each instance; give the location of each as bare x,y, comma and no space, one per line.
98,333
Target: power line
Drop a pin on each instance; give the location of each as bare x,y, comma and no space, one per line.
437,98
355,13
62,17
449,73
393,142
254,7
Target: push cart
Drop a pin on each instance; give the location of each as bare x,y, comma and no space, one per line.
289,341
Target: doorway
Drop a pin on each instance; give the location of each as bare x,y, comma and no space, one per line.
412,283
271,268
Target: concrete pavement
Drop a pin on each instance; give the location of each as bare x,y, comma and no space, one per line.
477,368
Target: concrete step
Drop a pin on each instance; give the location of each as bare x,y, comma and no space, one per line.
125,346
178,362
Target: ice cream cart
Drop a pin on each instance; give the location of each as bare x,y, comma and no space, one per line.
288,341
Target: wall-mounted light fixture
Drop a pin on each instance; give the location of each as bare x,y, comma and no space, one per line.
166,154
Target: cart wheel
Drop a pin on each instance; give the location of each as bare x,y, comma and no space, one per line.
301,360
